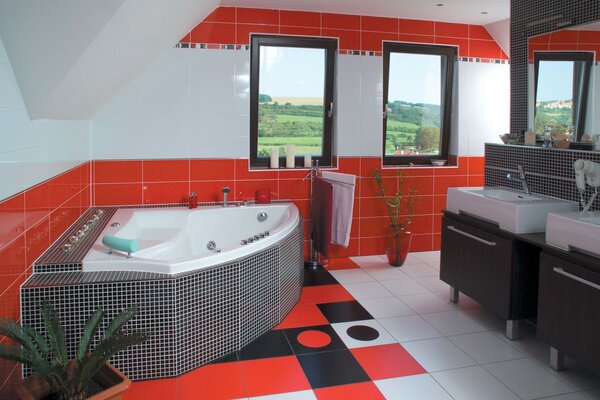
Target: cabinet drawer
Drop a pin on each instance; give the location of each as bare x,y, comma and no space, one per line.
477,263
569,309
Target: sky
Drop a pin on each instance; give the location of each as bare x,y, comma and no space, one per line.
555,81
415,78
292,72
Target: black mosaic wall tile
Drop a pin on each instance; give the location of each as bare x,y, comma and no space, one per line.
524,15
549,171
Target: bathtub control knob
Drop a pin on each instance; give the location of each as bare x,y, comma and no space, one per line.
256,237
250,239
244,242
266,233
262,235
262,216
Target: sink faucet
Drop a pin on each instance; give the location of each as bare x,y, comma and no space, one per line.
522,178
226,190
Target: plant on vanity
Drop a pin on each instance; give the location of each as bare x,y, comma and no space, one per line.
401,209
88,375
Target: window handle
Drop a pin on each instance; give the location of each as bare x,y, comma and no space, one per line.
386,110
330,112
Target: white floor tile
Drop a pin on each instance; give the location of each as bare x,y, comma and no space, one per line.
302,395
464,301
412,387
420,270
351,343
411,327
370,261
426,303
367,290
452,322
386,273
434,264
485,318
569,396
428,256
438,354
403,287
411,258
385,307
528,379
351,275
527,343
433,283
573,375
592,394
473,383
485,347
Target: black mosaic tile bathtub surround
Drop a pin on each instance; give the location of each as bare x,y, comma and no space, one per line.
194,317
55,259
549,171
524,13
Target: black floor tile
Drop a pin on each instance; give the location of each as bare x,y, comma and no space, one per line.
318,276
231,357
272,344
344,311
332,368
335,344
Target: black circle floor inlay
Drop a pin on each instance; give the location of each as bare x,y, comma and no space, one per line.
362,332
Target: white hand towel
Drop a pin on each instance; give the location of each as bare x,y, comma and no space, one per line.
343,204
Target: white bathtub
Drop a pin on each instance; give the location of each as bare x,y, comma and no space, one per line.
174,240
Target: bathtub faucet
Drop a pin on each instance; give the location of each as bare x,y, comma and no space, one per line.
226,191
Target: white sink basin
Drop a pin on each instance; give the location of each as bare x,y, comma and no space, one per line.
575,230
512,210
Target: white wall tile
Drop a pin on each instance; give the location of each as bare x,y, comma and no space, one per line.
218,88
34,151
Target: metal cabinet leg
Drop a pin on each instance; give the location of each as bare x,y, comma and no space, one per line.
512,329
453,295
557,359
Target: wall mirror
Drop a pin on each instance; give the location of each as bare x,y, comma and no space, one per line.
563,93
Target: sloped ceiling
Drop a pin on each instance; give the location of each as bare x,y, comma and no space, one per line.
70,57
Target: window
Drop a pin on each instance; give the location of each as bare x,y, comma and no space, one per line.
561,91
417,98
291,89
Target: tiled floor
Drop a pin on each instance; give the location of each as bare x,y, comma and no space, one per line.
365,330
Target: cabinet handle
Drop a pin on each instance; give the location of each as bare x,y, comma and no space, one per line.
480,240
574,277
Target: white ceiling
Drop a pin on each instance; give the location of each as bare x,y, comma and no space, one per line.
460,11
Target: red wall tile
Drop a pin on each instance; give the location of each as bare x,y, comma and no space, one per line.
452,30
222,14
166,170
117,194
372,41
212,170
379,24
117,171
300,18
340,21
257,16
299,30
213,32
417,27
348,40
243,31
169,192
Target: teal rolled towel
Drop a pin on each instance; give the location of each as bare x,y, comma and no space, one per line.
125,245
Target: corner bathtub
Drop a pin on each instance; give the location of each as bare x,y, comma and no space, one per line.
198,304
177,240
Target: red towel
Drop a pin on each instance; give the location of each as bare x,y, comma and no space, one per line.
322,196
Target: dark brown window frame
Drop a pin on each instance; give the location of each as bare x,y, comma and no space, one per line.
448,80
330,47
579,98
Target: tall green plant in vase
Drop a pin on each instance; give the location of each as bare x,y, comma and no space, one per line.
400,207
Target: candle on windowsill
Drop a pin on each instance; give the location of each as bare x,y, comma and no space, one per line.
307,161
274,157
290,156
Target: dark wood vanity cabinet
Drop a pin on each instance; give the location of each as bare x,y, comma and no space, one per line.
569,307
489,265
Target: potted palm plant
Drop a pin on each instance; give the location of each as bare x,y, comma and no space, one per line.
54,375
400,207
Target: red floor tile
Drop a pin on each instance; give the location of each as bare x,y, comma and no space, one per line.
364,390
387,361
303,315
324,294
163,389
214,381
273,375
340,263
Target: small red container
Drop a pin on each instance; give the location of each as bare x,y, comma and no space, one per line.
193,200
263,196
